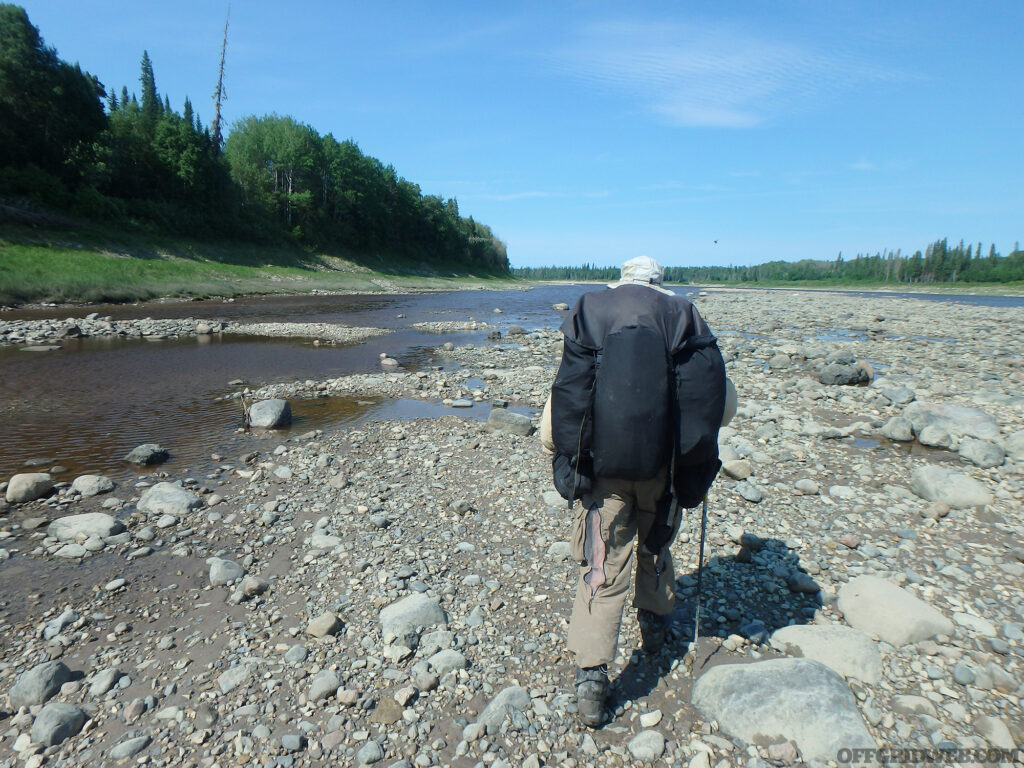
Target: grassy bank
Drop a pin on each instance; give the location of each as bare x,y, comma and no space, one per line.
92,266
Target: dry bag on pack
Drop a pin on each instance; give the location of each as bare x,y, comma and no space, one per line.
632,410
699,402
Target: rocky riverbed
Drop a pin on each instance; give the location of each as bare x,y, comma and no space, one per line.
44,335
398,593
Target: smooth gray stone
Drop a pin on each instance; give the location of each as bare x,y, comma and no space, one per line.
370,753
404,616
647,746
56,723
236,676
92,485
39,684
898,428
768,702
324,685
503,420
446,661
223,572
512,697
98,524
981,453
935,436
1014,445
130,745
28,486
879,607
168,499
146,454
843,374
957,420
270,414
957,490
849,652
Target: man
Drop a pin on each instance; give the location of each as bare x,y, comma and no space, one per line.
634,415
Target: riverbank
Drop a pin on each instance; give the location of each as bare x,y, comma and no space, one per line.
75,269
253,614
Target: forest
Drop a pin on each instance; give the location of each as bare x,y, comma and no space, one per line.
940,263
69,144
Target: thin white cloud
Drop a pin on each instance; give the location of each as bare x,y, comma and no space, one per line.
862,165
708,75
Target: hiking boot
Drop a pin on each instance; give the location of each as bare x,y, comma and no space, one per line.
653,630
591,694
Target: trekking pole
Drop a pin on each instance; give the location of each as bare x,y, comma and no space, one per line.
700,572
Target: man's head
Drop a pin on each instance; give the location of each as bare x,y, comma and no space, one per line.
642,270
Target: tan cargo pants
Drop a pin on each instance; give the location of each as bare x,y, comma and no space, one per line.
606,531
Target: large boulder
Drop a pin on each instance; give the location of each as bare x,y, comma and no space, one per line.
403,616
848,651
39,684
899,428
503,420
168,499
146,454
28,486
1014,445
797,700
91,524
956,420
957,490
92,485
56,723
879,607
844,374
981,453
270,414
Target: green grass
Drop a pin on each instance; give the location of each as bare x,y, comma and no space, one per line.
92,266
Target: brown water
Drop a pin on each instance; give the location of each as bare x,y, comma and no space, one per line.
87,404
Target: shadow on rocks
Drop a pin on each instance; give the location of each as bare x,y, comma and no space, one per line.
751,593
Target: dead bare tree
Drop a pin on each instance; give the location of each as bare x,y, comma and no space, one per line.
219,95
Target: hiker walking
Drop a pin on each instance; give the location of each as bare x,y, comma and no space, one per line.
633,421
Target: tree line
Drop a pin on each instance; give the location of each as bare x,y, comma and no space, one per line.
68,143
940,263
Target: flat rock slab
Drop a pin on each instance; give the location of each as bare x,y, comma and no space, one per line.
98,524
502,420
954,419
404,616
849,652
768,702
28,486
168,499
879,607
957,490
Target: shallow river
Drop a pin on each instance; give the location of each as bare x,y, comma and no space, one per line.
89,403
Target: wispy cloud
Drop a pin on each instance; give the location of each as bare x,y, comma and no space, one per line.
708,75
862,165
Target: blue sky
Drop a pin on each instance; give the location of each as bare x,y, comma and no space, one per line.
593,132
